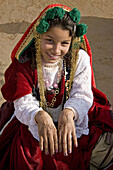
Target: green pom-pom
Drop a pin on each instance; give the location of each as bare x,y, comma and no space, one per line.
55,12
49,14
81,29
43,26
75,15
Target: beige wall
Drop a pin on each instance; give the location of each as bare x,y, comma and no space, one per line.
16,16
26,10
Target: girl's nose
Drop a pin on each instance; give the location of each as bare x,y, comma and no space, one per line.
57,49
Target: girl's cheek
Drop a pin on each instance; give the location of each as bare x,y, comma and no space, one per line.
66,49
48,46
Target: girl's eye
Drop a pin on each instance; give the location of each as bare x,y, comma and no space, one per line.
49,40
63,43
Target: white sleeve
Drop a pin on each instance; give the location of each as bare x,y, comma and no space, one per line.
81,96
25,109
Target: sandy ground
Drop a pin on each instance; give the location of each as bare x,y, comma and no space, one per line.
16,16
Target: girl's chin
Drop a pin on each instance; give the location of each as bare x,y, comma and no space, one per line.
50,59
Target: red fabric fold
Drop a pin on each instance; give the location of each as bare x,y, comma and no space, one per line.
99,114
6,111
19,80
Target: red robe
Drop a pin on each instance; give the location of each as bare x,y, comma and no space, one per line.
20,150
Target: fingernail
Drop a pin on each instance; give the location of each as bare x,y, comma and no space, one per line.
47,153
52,154
69,151
56,151
65,154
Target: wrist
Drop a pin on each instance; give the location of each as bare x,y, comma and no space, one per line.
37,115
69,112
76,117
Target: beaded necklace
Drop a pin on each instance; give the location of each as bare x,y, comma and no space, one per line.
55,88
49,106
59,74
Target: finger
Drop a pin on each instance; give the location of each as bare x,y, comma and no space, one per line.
41,143
69,142
74,138
56,142
65,142
46,143
60,141
51,142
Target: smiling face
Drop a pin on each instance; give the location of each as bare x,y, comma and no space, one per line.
55,44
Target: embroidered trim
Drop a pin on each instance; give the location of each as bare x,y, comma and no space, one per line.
25,44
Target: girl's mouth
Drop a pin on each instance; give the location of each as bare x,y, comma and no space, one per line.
53,57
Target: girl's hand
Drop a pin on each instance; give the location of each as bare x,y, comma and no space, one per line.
47,133
66,129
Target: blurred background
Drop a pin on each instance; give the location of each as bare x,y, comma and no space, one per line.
17,15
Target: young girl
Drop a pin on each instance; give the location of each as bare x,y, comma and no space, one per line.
50,82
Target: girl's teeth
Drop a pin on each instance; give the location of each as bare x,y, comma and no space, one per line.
53,56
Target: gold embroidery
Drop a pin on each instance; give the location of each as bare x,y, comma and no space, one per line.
40,71
74,59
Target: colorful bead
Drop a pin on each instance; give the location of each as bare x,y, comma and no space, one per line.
47,83
55,85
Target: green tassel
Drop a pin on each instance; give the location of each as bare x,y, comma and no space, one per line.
55,12
81,29
43,26
75,15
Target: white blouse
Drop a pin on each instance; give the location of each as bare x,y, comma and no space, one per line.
80,99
